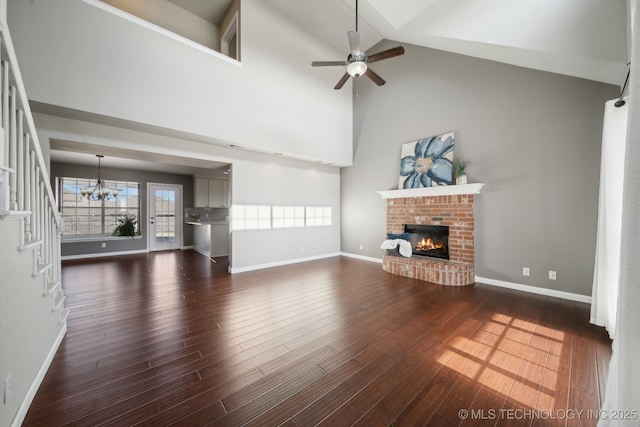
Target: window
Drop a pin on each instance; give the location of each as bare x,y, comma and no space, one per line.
250,217
318,215
94,217
254,217
288,216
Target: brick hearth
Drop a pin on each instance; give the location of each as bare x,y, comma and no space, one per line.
455,211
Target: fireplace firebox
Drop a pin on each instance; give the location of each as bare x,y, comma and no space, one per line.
428,240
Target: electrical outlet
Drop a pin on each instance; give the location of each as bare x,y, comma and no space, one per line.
104,244
362,247
301,248
552,275
7,389
525,271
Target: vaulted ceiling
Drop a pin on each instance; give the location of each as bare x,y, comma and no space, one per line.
581,38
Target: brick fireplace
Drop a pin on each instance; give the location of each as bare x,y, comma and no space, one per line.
450,206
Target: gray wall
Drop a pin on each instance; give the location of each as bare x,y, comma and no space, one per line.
532,137
143,177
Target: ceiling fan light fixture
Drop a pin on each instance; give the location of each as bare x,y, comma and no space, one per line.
357,68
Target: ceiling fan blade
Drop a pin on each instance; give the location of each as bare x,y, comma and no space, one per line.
354,42
386,54
327,63
374,77
342,81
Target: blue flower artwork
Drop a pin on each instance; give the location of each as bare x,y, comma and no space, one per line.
427,162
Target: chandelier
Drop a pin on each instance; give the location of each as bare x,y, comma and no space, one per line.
100,191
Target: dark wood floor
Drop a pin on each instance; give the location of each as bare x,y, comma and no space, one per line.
170,338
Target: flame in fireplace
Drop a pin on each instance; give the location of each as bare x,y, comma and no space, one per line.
427,245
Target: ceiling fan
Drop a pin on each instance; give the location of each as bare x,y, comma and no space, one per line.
358,59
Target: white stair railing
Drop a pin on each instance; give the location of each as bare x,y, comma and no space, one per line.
25,188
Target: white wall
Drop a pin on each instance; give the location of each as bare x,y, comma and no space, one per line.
257,179
167,15
285,183
79,57
29,328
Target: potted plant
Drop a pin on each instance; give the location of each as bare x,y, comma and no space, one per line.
126,225
459,175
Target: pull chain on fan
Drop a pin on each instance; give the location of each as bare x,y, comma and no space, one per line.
358,60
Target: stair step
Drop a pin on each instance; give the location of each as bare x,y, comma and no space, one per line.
4,169
50,287
57,303
64,314
8,214
41,269
30,245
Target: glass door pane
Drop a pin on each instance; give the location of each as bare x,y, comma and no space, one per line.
165,216
165,210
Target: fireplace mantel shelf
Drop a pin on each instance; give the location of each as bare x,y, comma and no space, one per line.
444,190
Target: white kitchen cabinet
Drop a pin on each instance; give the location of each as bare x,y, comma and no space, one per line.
226,193
211,192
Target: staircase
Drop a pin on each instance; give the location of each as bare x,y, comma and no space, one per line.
32,310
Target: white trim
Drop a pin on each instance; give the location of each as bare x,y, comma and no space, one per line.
14,214
35,385
281,263
103,254
229,33
535,290
177,37
201,252
362,257
107,237
441,190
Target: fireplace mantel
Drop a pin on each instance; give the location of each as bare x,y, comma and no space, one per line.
442,190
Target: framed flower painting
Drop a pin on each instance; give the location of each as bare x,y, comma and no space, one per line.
427,162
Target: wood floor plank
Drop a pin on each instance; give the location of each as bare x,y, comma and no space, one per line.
300,400
204,399
171,338
264,402
274,378
423,405
323,407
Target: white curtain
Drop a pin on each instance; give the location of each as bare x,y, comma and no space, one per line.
606,274
623,383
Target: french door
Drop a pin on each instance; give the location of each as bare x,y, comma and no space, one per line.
165,216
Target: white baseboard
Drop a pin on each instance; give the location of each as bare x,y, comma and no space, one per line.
201,252
534,289
362,257
103,254
35,385
281,263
